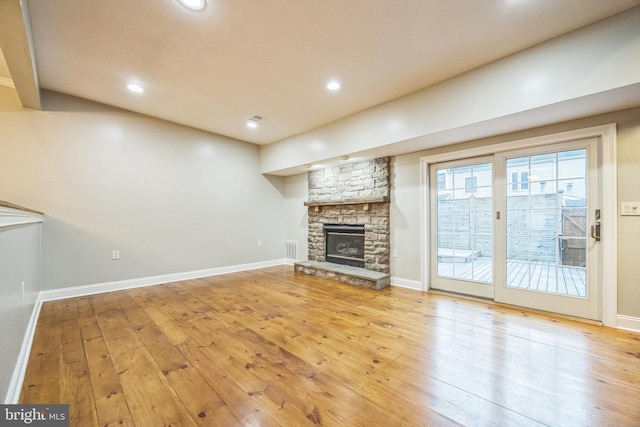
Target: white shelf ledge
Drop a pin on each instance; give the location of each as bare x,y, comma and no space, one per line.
11,215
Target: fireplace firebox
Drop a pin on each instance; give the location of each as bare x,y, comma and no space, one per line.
345,244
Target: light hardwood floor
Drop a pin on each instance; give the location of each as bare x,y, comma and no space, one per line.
273,348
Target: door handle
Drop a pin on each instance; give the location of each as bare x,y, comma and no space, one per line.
595,227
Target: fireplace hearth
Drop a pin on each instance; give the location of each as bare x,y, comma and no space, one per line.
344,244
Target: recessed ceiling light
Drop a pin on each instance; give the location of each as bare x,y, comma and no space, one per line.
193,4
253,121
135,87
333,85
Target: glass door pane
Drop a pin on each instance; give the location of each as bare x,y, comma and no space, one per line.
463,211
546,222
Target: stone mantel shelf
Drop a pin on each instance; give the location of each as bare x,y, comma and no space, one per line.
379,199
12,214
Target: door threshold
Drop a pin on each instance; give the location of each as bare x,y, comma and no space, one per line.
516,307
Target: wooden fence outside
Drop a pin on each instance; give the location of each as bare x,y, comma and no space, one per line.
547,233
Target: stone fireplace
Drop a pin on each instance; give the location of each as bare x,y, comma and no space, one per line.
348,200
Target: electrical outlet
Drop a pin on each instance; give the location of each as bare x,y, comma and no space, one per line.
394,253
115,254
259,243
22,290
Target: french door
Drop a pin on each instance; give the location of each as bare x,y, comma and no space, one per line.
549,200
517,227
462,220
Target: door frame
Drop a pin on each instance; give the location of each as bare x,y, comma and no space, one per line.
608,168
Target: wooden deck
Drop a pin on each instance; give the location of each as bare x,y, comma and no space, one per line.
273,348
542,277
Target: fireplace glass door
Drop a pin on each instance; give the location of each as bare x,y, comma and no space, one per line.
345,244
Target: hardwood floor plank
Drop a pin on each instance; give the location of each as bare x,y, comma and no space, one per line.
117,332
151,400
89,327
202,401
271,347
363,375
245,408
236,360
110,402
82,400
312,383
104,302
334,356
166,322
43,374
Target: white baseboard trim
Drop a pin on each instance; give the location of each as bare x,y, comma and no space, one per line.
15,386
628,323
416,285
78,291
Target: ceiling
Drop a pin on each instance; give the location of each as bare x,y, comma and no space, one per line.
215,68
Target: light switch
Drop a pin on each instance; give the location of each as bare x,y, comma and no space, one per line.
630,208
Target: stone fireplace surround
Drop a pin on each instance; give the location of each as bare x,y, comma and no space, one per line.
352,194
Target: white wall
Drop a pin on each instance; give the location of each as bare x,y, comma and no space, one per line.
296,217
404,218
629,226
170,198
19,263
